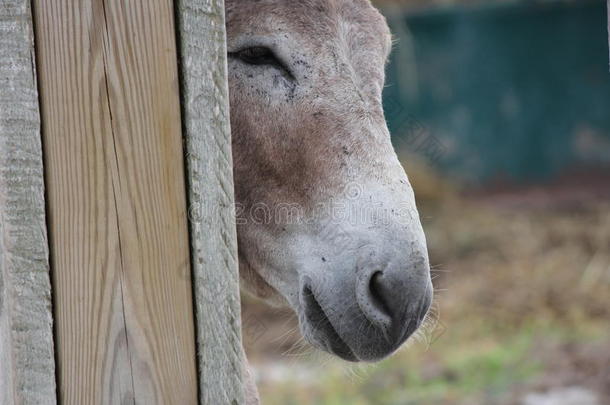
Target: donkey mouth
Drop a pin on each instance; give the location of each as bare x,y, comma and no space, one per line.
327,336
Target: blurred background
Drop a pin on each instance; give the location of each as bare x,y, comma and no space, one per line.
500,112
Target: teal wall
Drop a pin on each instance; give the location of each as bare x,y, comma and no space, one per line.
518,91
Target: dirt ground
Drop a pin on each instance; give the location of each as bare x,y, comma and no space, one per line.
521,315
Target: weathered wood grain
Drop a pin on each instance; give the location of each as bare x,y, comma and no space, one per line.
27,366
205,109
116,197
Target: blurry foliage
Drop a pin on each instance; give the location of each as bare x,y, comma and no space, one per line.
413,4
515,265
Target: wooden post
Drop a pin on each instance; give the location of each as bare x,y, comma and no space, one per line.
205,106
27,373
121,264
125,330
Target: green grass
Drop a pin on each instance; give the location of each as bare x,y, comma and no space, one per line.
448,372
478,364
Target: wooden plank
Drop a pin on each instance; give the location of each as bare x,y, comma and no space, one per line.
205,104
117,210
27,366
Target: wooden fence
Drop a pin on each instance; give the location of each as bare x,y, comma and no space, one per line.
118,257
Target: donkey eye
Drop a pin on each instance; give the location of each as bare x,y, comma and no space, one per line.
257,55
261,56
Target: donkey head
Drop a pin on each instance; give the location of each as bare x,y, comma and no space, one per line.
326,215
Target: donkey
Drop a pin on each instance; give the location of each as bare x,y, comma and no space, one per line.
326,217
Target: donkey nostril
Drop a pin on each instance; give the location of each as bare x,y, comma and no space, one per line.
378,299
394,299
